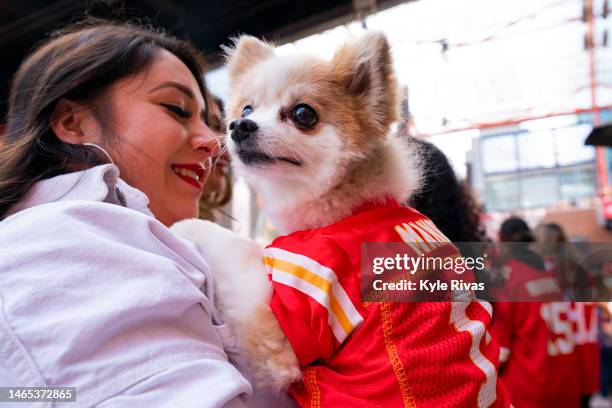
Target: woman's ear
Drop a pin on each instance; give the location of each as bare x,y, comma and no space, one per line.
73,123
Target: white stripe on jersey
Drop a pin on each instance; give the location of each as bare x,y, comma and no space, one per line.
321,296
462,323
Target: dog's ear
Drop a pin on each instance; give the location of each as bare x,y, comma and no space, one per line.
364,68
246,52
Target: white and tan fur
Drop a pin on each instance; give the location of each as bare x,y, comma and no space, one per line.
348,157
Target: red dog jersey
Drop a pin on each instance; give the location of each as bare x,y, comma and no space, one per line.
538,356
377,354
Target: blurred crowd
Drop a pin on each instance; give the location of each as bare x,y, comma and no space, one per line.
553,353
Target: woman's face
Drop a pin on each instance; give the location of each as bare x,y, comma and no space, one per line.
162,144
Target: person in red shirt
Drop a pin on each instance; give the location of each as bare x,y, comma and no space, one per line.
552,244
538,357
587,347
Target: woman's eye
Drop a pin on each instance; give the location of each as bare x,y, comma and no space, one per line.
178,111
247,111
304,116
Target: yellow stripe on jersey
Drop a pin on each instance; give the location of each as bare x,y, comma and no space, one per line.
318,282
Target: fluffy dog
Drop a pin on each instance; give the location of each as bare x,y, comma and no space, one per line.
313,138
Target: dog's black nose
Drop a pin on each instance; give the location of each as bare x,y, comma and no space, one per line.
242,129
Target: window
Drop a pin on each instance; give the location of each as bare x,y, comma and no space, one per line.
570,145
499,154
577,183
538,168
536,150
539,190
502,193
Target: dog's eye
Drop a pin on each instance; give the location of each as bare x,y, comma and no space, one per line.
247,110
304,116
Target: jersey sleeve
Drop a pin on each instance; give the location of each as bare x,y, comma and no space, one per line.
316,294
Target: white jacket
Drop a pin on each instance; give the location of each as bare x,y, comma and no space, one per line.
96,294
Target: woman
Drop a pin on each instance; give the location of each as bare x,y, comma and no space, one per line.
562,260
105,147
533,327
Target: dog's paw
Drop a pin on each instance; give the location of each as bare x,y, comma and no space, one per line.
208,236
236,264
217,244
273,365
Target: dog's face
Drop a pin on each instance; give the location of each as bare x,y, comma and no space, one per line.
302,120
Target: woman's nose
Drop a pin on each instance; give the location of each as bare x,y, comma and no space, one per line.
205,141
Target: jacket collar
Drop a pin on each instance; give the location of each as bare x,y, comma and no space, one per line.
100,183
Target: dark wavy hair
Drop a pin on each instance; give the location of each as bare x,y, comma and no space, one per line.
80,63
448,202
516,230
218,187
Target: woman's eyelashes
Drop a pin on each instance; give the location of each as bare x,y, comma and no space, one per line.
177,110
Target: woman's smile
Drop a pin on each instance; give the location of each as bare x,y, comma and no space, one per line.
193,174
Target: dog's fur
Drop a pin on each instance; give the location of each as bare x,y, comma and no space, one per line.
347,158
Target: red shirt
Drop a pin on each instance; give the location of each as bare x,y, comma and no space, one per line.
376,354
587,347
584,317
538,355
